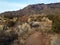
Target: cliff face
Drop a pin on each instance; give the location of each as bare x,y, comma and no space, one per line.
52,8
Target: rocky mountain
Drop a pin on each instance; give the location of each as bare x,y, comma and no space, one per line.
52,8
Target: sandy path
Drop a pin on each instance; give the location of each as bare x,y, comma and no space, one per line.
37,38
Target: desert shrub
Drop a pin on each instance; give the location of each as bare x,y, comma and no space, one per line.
10,24
1,28
50,16
56,24
6,38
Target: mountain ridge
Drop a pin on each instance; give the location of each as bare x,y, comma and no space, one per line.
52,8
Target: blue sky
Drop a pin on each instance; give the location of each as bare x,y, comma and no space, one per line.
12,5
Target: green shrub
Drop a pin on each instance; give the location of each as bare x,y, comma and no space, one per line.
56,24
50,16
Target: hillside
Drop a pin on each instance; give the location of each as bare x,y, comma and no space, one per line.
52,8
37,24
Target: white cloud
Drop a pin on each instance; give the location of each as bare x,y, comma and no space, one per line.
9,6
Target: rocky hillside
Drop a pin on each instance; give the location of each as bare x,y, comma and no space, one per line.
37,24
52,8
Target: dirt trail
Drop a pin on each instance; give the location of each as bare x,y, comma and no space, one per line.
38,38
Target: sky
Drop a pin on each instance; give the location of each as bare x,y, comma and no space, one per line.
13,5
